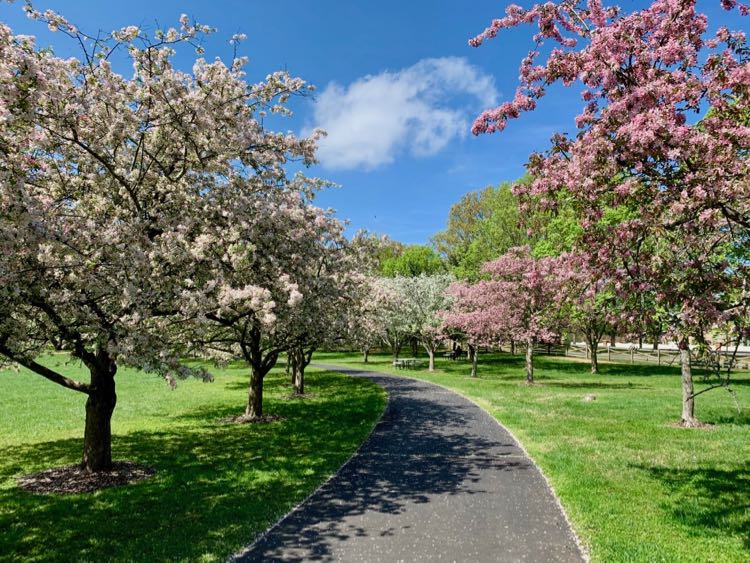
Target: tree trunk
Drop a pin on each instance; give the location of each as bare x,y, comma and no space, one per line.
414,347
396,348
530,361
613,339
254,407
299,380
688,401
473,354
512,347
291,362
593,347
365,355
595,359
97,437
431,354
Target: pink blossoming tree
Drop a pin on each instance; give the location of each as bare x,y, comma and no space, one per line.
472,317
521,301
660,195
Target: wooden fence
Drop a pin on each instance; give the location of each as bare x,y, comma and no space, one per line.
658,356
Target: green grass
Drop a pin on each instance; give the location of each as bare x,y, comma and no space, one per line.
218,485
634,487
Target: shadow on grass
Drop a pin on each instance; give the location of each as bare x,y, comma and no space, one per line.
591,385
708,499
741,418
217,485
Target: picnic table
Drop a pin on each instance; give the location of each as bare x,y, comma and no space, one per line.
405,363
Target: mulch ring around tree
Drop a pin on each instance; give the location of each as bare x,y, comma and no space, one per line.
73,479
246,419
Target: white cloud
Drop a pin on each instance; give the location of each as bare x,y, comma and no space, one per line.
417,110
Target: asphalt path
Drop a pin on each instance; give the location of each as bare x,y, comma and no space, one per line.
437,480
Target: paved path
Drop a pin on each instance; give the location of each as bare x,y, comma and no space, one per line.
438,480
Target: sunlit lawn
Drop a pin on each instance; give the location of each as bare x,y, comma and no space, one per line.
635,488
218,485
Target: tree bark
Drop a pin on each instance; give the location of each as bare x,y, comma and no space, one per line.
613,339
656,338
512,347
473,354
303,360
595,359
688,400
254,407
431,354
396,349
299,380
593,348
530,361
292,362
97,436
365,355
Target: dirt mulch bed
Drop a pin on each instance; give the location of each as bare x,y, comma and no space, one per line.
73,479
245,419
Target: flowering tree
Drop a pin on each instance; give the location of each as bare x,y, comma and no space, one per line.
330,288
424,297
272,268
522,301
592,304
364,323
109,188
529,293
390,309
472,315
672,192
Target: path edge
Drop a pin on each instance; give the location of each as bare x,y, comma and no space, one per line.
582,548
237,556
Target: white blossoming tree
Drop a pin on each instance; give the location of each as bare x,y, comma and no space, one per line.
424,298
410,307
274,274
109,189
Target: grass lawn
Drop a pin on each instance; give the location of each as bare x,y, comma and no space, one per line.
635,488
218,485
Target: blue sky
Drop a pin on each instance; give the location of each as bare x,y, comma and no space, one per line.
398,87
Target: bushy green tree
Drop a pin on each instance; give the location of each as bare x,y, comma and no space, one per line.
414,260
481,226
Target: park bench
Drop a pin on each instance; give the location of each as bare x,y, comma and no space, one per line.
456,354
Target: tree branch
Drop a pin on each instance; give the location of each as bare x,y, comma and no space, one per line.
47,373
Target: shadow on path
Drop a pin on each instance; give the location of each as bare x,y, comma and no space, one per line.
438,478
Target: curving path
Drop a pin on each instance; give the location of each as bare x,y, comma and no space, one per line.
438,480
